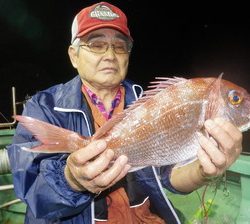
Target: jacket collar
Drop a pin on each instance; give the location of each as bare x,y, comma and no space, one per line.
70,96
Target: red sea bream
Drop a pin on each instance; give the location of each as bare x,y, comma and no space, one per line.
162,127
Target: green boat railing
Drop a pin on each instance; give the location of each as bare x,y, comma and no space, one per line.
242,167
12,210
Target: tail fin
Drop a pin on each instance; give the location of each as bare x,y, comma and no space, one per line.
54,139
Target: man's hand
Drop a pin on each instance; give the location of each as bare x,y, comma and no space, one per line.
216,154
90,168
220,151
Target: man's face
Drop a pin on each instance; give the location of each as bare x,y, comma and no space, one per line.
102,70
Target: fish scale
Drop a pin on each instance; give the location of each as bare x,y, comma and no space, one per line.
166,139
159,129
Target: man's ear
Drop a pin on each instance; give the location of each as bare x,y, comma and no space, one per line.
73,55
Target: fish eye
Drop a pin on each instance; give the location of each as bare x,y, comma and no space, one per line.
234,97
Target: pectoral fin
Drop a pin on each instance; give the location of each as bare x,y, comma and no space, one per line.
214,98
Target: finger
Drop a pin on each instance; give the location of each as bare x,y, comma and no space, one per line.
108,176
97,185
219,134
87,153
229,128
97,166
234,132
216,156
121,175
209,168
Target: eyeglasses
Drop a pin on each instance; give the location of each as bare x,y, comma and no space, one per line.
101,47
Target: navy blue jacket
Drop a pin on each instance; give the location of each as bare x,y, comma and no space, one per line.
39,178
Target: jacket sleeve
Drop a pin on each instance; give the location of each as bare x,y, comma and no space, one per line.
39,178
164,173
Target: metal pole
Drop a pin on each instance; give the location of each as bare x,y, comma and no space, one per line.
10,124
10,203
6,187
4,162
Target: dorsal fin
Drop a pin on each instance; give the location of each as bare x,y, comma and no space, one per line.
161,83
213,98
168,81
155,87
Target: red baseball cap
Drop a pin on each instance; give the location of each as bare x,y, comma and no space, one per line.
98,16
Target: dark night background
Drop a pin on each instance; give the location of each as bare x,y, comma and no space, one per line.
170,40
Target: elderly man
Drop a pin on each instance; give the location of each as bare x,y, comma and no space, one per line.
63,188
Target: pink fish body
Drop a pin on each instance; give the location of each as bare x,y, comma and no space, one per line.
162,127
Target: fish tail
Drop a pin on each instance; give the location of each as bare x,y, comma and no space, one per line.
53,139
